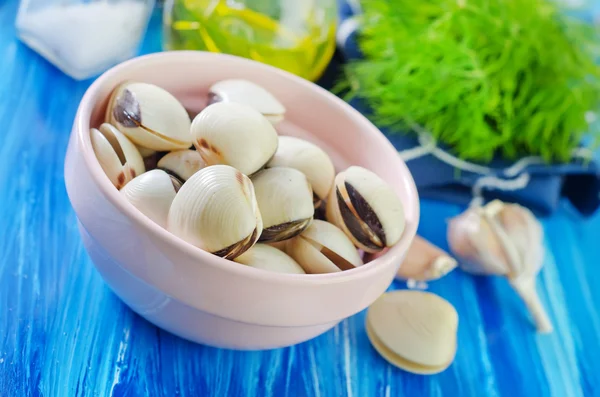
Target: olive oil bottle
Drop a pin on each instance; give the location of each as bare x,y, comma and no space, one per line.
294,35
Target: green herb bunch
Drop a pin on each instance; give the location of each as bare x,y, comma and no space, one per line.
485,77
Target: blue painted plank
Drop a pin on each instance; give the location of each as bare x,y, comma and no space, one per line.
63,333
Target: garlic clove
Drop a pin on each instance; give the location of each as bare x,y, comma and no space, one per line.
425,261
265,257
413,330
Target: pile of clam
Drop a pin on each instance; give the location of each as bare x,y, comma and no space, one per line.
228,183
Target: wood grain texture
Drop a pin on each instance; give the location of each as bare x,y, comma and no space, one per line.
63,333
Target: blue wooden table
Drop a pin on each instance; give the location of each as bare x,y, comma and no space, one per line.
63,333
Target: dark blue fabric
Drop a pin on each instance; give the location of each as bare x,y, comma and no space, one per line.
578,181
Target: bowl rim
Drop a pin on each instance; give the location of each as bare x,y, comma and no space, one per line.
82,127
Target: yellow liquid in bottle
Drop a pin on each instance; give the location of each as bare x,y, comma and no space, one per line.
215,26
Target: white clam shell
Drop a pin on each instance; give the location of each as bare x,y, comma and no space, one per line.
216,210
284,198
234,134
150,116
323,248
374,212
182,163
414,330
263,256
152,194
145,152
309,159
251,94
118,157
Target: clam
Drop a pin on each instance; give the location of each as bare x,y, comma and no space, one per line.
150,116
308,158
366,208
284,198
263,256
234,134
119,158
216,210
152,194
247,93
182,163
323,248
413,330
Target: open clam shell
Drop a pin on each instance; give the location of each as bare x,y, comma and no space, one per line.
247,93
323,248
234,134
284,197
152,194
263,256
413,330
150,116
366,208
216,210
182,163
308,158
118,157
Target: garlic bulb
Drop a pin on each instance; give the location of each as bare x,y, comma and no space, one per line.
502,239
424,262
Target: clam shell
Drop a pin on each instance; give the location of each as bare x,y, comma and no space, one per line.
182,163
367,209
413,330
309,159
150,116
284,198
216,210
263,256
118,157
248,93
152,194
323,248
234,134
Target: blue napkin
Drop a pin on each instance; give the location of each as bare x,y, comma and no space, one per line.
440,175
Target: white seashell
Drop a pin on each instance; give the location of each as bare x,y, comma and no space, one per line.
247,93
150,116
503,239
413,330
323,248
309,159
284,198
182,163
234,134
425,261
145,152
366,208
263,256
152,194
216,210
118,157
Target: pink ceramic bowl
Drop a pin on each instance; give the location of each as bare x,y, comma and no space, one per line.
199,296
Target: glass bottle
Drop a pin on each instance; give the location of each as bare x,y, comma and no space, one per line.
294,35
83,37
